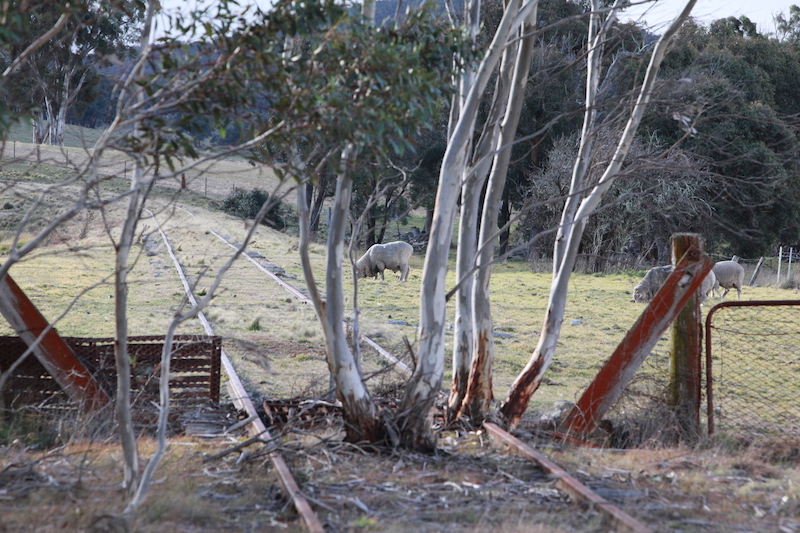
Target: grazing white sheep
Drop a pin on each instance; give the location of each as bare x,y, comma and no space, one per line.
709,286
392,255
655,278
730,274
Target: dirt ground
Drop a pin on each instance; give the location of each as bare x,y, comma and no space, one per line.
69,480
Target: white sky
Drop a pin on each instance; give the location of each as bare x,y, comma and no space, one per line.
657,14
761,12
188,6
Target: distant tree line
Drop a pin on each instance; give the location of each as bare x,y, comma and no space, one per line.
717,152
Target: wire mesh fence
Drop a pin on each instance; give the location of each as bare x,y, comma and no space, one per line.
753,368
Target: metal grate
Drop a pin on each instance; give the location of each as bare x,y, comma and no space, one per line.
195,370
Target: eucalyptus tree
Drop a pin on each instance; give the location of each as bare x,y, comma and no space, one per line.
90,35
732,103
424,385
239,65
583,200
369,105
479,387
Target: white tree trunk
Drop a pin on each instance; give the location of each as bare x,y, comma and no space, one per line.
368,12
123,407
58,117
462,325
40,127
513,407
69,93
121,266
463,335
479,391
360,416
597,37
425,383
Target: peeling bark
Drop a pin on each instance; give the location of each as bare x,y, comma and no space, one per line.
479,389
425,383
476,176
462,328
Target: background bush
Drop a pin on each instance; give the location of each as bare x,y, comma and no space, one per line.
246,204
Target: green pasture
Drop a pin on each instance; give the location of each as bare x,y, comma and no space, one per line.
74,136
78,261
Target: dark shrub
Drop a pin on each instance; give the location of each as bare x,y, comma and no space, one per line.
246,204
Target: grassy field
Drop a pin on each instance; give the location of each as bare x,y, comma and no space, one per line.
249,306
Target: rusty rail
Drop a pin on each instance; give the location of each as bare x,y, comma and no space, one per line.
242,401
566,481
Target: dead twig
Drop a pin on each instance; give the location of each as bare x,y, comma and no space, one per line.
240,446
411,354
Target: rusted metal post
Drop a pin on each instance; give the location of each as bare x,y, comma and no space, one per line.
55,355
640,339
684,387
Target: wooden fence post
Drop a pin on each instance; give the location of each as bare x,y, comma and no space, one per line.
755,272
684,392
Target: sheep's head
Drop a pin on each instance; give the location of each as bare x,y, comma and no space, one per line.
640,296
363,270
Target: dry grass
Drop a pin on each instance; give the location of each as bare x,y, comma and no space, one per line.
468,486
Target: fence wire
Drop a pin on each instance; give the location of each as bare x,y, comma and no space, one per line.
753,368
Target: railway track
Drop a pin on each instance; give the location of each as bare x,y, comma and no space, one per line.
242,401
500,438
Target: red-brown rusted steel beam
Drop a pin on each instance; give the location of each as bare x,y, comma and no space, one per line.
257,428
640,339
55,355
566,481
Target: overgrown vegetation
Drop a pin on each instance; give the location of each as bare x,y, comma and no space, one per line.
290,334
246,204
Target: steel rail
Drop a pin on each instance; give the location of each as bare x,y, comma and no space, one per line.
242,401
566,481
303,298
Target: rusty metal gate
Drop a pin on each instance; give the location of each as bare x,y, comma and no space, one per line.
194,380
753,368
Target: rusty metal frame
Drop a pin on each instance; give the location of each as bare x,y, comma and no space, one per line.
709,348
195,378
48,347
567,482
631,352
